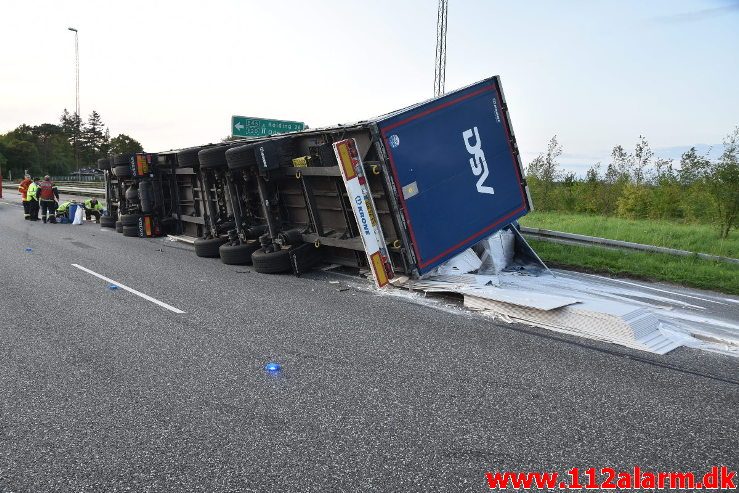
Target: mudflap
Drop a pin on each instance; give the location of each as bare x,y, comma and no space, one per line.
149,227
304,257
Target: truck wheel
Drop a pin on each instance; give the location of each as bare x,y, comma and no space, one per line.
239,254
120,159
122,171
214,157
208,247
104,163
241,157
107,222
188,158
272,262
130,219
119,226
131,231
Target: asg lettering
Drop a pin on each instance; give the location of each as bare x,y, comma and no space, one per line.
477,161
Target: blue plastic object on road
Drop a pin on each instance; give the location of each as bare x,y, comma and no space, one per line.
272,367
72,211
112,287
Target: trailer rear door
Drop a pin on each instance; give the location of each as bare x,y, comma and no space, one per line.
456,169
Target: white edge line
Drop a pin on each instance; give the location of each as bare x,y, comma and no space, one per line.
130,290
648,287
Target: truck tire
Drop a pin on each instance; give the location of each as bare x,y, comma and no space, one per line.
130,219
121,159
208,247
104,163
241,157
214,157
188,158
238,254
119,226
107,222
272,262
122,171
132,231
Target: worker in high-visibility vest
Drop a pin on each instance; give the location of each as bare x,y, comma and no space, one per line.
23,189
63,209
93,208
32,196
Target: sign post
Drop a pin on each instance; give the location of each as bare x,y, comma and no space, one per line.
250,126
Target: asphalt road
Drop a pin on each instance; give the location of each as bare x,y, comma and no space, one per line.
102,390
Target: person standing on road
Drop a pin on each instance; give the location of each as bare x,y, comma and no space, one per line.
32,196
93,208
48,196
23,189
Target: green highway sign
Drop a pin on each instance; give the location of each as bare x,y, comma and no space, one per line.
249,126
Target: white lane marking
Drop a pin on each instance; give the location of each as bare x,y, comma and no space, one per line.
130,290
644,287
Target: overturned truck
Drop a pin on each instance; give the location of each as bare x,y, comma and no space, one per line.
400,193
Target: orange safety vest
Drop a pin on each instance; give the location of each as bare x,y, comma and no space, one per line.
23,188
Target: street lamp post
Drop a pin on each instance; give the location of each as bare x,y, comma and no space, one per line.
76,97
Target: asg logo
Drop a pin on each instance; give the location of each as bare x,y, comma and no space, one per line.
477,161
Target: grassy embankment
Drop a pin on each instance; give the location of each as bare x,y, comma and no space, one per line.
686,271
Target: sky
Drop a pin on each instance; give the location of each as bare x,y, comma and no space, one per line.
171,73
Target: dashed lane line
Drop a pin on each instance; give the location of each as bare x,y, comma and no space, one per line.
130,290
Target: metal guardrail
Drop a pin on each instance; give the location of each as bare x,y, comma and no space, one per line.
583,240
79,178
75,190
91,189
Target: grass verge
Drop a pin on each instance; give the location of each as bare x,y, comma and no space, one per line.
685,271
692,237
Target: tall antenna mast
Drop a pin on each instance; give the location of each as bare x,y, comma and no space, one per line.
78,117
440,64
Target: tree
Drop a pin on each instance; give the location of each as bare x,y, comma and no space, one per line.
621,164
123,144
20,154
692,167
94,139
593,190
723,184
49,148
667,193
71,127
716,181
543,171
642,158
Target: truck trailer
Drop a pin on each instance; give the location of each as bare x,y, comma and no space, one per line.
399,193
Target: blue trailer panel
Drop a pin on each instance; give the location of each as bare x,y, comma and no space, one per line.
456,169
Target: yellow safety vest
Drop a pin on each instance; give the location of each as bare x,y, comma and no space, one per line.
88,205
32,191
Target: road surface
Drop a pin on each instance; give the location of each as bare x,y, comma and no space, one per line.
103,390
